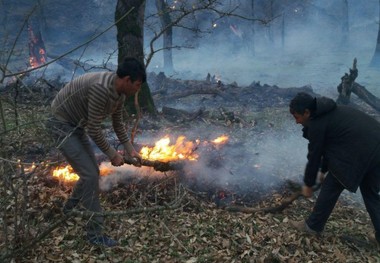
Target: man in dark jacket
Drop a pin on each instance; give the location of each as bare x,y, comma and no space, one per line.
347,141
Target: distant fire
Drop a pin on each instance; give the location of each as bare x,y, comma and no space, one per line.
162,151
37,51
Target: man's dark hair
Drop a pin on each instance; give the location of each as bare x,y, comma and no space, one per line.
301,102
133,68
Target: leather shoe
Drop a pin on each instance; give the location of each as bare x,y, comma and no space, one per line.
303,227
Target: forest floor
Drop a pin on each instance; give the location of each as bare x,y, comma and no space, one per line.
181,216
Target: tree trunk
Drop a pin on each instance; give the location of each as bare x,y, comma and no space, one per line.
375,62
130,38
163,11
283,32
252,46
345,26
269,27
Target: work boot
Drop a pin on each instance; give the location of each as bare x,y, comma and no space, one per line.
303,227
102,240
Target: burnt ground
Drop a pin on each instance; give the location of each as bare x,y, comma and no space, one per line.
183,215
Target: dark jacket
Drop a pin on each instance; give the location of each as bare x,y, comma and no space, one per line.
347,140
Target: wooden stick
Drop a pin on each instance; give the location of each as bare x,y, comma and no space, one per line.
160,166
275,209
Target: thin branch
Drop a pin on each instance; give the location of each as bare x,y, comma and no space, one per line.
176,239
138,116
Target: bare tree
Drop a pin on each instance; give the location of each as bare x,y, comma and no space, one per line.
130,38
375,62
130,32
345,23
190,17
166,21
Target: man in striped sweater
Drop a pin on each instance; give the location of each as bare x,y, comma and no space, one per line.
78,111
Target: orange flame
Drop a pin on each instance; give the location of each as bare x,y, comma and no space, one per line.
65,174
163,151
220,140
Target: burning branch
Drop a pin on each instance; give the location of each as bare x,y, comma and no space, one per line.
160,166
162,157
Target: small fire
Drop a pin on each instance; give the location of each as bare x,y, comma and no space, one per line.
65,174
163,151
220,140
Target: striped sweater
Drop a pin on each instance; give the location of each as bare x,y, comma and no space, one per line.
87,101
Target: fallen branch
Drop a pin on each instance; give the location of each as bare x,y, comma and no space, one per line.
275,209
205,89
176,114
348,86
366,96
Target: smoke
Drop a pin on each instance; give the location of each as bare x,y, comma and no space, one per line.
254,159
266,163
312,52
124,175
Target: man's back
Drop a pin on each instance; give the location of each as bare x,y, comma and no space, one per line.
351,142
71,103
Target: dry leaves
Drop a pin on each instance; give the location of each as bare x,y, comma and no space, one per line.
207,234
197,231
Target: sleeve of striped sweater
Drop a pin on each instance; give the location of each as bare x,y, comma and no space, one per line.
97,100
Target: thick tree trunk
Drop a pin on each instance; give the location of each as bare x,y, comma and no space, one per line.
345,26
252,38
163,10
130,38
375,62
130,30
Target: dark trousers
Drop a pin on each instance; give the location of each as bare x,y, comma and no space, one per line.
330,192
74,144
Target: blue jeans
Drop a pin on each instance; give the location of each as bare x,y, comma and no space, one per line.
74,144
330,192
